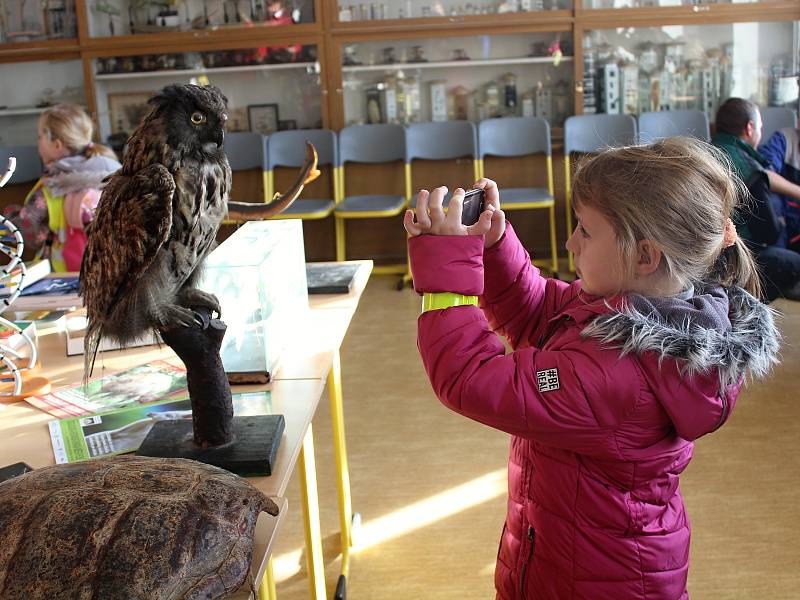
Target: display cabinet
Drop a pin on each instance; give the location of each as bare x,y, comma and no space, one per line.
633,70
475,78
109,18
30,87
265,92
35,20
406,9
599,4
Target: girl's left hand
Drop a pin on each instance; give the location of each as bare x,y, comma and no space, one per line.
431,218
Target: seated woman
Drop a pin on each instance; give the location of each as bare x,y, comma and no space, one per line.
63,201
738,124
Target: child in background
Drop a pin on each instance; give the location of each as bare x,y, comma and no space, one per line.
612,377
63,201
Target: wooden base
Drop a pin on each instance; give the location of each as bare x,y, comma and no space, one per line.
31,386
252,452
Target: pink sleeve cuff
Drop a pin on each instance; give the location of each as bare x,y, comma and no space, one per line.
447,263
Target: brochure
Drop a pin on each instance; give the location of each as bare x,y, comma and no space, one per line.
158,380
119,431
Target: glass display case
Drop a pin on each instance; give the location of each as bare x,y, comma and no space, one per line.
36,85
660,3
130,17
406,9
633,70
33,20
265,92
474,78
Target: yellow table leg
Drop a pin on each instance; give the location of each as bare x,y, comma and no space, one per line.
266,591
342,470
308,496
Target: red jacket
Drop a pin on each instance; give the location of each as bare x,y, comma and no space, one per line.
603,398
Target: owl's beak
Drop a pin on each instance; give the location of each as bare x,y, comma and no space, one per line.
219,137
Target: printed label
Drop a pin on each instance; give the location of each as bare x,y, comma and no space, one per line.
548,380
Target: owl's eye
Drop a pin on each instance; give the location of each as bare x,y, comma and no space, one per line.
198,118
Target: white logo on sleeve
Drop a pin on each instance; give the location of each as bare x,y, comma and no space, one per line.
548,380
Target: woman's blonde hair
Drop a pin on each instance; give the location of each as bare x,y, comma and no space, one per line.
72,125
678,192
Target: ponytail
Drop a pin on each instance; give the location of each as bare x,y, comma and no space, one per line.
91,149
736,266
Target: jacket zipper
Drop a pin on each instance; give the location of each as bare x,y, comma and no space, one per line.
532,539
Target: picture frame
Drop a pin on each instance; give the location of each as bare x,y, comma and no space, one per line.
125,110
263,118
238,120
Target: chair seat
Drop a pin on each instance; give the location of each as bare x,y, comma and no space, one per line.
511,198
370,206
309,209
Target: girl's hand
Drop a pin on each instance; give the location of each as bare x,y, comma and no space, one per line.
497,217
431,218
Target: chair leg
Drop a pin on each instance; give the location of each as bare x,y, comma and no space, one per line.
553,242
341,253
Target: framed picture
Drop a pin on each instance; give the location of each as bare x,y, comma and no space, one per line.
263,118
126,110
237,119
287,125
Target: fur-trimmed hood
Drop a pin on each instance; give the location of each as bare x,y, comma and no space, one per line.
720,333
75,173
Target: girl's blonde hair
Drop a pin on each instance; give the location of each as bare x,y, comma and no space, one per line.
72,125
678,192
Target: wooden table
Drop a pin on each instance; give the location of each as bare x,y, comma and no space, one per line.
311,359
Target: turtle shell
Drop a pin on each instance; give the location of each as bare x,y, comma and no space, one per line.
127,528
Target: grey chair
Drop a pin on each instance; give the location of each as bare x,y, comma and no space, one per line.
522,136
246,152
590,134
368,144
775,118
29,164
445,140
670,123
288,149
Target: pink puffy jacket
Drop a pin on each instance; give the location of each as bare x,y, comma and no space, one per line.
603,398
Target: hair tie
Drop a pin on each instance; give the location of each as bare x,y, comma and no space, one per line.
729,235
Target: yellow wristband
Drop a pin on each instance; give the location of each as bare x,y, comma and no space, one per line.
441,300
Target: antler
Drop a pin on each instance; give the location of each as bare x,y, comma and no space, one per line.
250,211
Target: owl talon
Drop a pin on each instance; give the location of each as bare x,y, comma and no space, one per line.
174,316
191,297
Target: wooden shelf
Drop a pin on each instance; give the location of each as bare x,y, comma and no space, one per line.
530,60
204,71
18,112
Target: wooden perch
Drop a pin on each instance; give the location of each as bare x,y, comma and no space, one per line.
251,211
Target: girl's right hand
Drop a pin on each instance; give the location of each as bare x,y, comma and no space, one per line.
492,203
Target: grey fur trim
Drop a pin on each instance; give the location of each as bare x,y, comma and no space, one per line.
750,346
65,183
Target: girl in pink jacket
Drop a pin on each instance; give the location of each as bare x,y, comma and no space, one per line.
612,377
61,204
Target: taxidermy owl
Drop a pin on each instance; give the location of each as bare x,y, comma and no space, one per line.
158,217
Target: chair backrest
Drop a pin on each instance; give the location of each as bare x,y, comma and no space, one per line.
246,150
775,118
514,136
29,164
441,140
288,148
592,133
669,123
377,143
